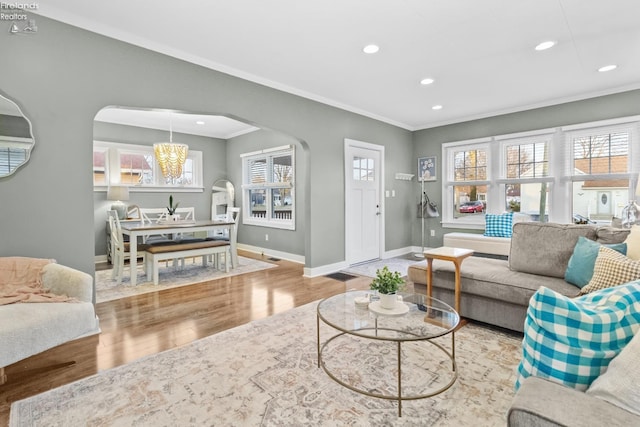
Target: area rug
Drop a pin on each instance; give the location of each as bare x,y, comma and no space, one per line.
169,277
399,264
265,373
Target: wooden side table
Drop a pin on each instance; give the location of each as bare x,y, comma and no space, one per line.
455,255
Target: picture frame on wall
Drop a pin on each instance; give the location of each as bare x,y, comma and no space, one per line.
427,169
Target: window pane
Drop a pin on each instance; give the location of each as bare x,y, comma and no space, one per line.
529,199
99,160
258,200
282,203
136,168
282,169
599,201
601,154
258,171
363,169
469,200
527,160
470,165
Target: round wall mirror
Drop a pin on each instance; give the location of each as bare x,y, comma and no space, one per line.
16,138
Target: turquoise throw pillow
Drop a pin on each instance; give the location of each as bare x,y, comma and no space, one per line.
580,268
499,225
572,340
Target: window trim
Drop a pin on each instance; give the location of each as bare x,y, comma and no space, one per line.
112,169
268,154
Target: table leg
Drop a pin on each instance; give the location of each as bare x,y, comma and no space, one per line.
133,258
457,264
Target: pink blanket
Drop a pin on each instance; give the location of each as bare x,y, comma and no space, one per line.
21,281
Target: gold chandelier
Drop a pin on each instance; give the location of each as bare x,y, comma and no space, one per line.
171,156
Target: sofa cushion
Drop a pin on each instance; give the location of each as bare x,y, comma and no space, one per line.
545,248
609,235
633,242
498,225
611,269
571,341
582,261
620,384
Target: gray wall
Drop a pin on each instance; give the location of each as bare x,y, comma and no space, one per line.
62,76
214,159
428,142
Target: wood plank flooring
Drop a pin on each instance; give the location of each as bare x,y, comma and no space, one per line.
147,324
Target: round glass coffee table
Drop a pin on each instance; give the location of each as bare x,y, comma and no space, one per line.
416,320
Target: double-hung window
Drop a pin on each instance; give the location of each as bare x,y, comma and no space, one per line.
603,165
13,153
268,190
467,182
136,166
525,175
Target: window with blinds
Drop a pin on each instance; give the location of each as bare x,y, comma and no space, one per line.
268,188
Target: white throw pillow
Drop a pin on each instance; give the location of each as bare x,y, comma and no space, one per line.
620,384
633,243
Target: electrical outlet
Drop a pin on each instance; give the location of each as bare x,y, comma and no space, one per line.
266,237
433,233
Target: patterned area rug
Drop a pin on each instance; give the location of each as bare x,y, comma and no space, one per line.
265,373
399,264
169,277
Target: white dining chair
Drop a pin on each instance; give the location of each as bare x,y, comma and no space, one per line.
233,214
119,249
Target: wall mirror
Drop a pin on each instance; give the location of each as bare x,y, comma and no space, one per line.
16,138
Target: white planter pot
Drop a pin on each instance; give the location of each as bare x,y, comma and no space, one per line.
388,301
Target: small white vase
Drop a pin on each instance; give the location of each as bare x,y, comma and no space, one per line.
388,301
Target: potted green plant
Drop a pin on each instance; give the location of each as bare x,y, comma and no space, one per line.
387,283
172,207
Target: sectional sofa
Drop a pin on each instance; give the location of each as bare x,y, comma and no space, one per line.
497,291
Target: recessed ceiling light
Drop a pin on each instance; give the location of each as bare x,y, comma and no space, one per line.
426,81
199,122
371,48
546,45
437,107
607,68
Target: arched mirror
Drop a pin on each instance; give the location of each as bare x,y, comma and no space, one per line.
16,139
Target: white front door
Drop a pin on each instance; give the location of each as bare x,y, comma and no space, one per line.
363,209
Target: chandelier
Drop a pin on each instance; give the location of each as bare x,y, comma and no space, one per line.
171,156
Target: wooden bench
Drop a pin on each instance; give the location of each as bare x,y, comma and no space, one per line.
205,248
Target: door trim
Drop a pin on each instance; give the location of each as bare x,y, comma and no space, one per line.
352,143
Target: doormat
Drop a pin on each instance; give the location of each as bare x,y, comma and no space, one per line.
343,277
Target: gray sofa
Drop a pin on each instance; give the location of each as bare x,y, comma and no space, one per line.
497,291
543,403
30,328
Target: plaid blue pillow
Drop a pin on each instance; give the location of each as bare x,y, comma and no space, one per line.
499,225
572,341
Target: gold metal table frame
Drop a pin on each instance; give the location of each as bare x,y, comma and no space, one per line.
440,319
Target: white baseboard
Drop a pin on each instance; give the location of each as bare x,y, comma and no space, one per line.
100,259
398,252
272,253
324,269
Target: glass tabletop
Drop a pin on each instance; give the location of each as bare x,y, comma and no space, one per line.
423,318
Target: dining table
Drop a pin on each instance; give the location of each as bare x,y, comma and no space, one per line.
137,229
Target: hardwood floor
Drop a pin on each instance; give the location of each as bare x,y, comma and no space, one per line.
147,324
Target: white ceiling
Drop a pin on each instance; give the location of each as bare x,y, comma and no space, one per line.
179,122
480,53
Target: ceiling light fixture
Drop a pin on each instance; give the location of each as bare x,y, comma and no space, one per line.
546,45
200,122
426,81
171,157
437,107
371,48
607,68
